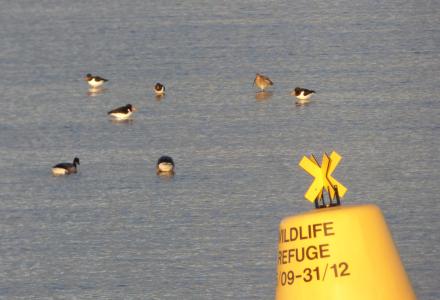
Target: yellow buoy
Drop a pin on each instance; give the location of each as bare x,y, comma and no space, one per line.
339,252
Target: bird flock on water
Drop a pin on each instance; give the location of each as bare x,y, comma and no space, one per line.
165,164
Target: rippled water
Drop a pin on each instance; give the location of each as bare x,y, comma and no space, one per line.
117,231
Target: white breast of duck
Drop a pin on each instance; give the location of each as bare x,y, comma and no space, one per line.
121,116
95,83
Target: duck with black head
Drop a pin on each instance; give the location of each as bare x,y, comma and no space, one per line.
122,113
159,89
66,168
165,166
302,94
94,81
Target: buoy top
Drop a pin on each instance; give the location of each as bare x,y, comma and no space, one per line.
323,179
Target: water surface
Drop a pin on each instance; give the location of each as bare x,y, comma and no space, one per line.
117,231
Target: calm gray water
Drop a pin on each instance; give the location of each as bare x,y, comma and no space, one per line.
117,231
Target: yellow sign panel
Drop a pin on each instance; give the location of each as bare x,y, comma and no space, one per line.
326,162
335,158
314,170
323,178
315,161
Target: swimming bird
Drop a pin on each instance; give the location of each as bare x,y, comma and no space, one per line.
123,112
65,168
302,94
262,81
159,89
165,166
94,81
